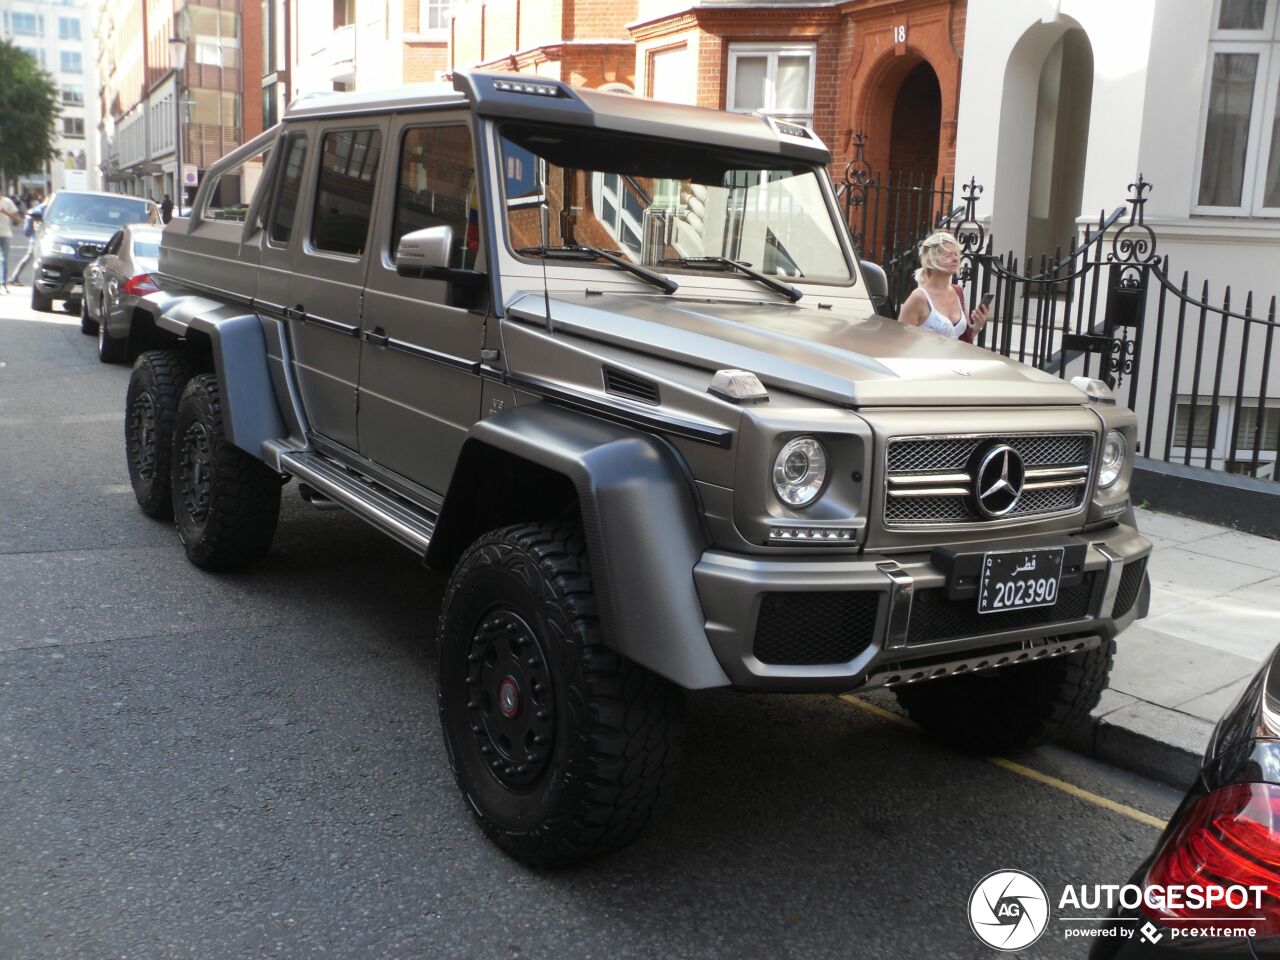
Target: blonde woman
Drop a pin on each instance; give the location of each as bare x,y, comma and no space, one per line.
936,304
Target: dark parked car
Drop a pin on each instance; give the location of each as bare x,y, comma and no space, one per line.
75,228
1226,833
113,286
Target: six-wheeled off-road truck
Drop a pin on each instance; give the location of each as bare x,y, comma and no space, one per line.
614,367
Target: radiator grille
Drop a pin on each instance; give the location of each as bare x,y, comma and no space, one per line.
1130,586
919,457
934,617
815,627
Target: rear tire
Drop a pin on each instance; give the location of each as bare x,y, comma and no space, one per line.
111,349
39,302
151,406
226,502
1014,707
564,749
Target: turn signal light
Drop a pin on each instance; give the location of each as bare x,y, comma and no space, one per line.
140,285
1227,839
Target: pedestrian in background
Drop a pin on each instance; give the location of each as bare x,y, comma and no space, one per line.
936,304
166,209
28,231
8,217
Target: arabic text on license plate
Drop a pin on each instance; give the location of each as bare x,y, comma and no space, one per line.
1018,579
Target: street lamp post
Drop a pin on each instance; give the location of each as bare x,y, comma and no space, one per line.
178,57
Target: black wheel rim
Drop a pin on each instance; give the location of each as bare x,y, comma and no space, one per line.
142,436
196,472
510,703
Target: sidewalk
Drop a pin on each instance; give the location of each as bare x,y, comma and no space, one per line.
1215,616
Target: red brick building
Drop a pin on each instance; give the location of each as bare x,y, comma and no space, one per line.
889,68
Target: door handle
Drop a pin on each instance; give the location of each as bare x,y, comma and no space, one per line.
377,336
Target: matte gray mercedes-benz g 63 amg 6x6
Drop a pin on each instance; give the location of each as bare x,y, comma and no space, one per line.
614,365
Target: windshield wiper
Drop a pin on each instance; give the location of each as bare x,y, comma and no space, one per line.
576,252
701,263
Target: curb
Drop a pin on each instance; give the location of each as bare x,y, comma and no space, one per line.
1143,738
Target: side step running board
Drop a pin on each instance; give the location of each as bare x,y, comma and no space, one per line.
394,516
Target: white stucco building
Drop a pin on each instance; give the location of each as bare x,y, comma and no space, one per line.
58,34
1064,102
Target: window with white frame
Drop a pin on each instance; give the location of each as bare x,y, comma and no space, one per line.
68,28
23,24
773,80
70,61
1239,169
434,15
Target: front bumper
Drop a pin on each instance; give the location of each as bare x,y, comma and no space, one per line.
59,276
814,625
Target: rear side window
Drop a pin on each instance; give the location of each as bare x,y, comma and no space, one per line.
227,196
295,157
344,193
437,187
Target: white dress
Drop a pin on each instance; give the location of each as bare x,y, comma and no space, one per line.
939,323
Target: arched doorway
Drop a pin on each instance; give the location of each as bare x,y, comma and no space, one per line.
1043,138
917,121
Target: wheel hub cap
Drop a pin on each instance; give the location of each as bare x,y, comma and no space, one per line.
142,435
509,698
196,467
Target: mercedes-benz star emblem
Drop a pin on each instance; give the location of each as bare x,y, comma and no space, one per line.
998,480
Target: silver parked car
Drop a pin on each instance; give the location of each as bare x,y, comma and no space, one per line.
113,286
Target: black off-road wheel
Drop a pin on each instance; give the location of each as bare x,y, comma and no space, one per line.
225,502
1014,707
151,406
563,749
39,302
88,325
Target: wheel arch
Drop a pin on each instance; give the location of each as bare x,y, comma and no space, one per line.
639,515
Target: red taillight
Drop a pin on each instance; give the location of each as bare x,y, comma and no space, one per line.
1230,837
142,284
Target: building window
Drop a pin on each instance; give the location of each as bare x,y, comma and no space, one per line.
72,95
773,80
68,28
23,24
1239,171
215,108
434,15
73,127
344,13
35,53
671,75
70,62
216,35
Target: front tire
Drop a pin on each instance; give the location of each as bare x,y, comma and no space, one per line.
151,406
226,503
88,325
1014,707
39,302
563,749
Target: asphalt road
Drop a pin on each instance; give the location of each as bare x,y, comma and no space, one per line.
250,765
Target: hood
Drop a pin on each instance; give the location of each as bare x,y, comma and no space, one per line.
79,232
834,355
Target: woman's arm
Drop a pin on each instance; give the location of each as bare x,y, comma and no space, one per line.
914,310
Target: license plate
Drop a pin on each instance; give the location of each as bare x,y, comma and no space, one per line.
1018,579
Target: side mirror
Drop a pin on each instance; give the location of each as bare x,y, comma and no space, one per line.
877,285
424,254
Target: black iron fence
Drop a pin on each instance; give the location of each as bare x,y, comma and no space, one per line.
1197,370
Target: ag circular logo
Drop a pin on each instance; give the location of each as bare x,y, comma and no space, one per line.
1008,910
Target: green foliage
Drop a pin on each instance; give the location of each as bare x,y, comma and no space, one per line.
29,108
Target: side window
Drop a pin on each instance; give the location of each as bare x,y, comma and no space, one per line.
229,194
295,156
344,193
437,187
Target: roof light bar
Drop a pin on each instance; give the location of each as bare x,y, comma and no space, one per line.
539,89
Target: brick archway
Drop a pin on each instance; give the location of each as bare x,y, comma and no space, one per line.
878,102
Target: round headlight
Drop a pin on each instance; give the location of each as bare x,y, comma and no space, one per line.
800,471
1114,450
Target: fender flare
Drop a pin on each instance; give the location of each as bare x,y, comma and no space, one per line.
235,340
640,520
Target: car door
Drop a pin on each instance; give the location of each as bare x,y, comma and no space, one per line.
328,272
419,383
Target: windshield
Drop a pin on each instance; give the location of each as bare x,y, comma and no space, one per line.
655,201
103,211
